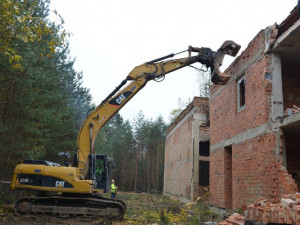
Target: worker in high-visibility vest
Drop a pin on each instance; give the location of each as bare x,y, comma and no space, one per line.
113,189
99,173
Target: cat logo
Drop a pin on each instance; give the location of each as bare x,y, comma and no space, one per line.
117,101
60,183
120,99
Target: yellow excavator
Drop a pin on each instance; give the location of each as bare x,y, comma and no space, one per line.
77,189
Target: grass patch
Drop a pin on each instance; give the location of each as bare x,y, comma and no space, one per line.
164,211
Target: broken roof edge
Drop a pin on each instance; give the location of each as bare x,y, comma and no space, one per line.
197,101
290,20
272,39
215,90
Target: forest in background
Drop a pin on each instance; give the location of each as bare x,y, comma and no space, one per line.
43,103
138,150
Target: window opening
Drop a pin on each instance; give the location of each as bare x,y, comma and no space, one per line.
204,173
204,148
100,170
241,93
228,176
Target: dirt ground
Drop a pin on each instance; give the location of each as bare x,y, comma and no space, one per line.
141,209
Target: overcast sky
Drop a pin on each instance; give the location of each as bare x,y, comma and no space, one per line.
110,38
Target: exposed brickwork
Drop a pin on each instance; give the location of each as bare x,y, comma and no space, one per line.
256,167
179,150
217,179
178,156
293,156
201,105
225,120
254,152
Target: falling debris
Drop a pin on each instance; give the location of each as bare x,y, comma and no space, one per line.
289,111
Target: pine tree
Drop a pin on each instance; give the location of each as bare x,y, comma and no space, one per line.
42,101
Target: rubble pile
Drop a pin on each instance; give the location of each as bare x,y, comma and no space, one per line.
286,211
234,219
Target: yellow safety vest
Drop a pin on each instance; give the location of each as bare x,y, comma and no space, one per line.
99,171
113,188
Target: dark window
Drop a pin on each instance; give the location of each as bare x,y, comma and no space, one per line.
204,173
204,148
241,93
228,176
100,171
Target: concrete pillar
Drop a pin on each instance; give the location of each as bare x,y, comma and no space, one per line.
198,119
277,92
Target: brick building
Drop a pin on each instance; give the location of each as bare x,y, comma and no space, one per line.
187,150
254,127
255,121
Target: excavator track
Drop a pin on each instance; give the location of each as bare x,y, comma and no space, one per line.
71,206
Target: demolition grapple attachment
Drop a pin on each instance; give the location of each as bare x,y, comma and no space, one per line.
214,60
228,48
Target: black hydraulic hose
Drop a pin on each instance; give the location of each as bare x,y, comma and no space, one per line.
161,58
165,57
84,163
115,91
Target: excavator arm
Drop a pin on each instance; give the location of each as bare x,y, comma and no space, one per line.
137,78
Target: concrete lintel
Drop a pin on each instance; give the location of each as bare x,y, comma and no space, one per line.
272,126
202,117
182,121
247,135
282,121
204,137
288,44
204,158
286,39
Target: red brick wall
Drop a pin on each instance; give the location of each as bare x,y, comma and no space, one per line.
178,163
216,180
178,170
291,85
201,105
292,143
225,120
255,172
256,169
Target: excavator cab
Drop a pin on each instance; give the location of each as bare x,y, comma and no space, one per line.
103,172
